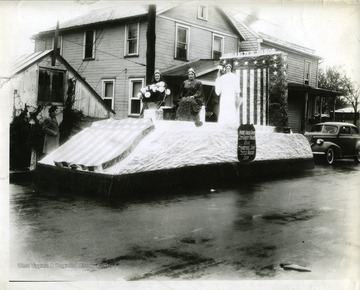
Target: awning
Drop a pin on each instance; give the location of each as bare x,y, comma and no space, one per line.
313,91
200,66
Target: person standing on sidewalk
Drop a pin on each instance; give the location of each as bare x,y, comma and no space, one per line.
51,131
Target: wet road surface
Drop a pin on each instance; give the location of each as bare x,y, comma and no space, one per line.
244,233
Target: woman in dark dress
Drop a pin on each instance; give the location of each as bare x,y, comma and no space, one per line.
190,99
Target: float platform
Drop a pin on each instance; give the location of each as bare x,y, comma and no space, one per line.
124,158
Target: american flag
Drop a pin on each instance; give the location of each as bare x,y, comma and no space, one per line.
102,145
254,90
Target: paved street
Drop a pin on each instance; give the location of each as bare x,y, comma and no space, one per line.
245,233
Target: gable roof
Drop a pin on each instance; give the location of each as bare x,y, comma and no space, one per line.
292,46
28,60
268,33
260,31
241,26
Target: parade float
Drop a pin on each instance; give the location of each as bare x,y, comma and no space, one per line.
122,158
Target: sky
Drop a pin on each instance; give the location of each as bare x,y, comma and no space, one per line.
332,28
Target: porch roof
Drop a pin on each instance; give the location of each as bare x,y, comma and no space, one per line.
313,91
204,69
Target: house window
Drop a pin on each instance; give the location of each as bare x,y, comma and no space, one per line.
218,46
59,45
135,104
203,12
307,72
108,92
89,44
51,86
132,39
182,42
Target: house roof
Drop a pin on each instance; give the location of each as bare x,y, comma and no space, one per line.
28,60
122,12
110,14
240,25
345,110
295,47
268,33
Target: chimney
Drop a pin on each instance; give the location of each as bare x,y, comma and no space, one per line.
53,59
151,39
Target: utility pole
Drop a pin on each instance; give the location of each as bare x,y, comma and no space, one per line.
151,39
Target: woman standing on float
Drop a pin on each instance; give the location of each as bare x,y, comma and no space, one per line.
228,87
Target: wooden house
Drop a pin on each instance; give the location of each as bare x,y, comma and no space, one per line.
116,49
38,81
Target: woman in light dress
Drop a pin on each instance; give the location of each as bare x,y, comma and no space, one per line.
228,87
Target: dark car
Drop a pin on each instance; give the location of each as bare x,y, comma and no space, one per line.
334,140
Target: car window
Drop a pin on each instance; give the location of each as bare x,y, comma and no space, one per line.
316,128
329,129
354,131
345,130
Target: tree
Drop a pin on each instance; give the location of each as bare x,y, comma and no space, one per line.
335,79
352,96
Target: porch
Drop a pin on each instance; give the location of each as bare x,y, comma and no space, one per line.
308,105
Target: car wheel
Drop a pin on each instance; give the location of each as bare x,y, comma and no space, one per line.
357,157
329,156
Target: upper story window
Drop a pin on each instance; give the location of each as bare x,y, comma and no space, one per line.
108,92
89,44
182,42
307,72
51,86
132,39
203,12
59,44
217,46
135,104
